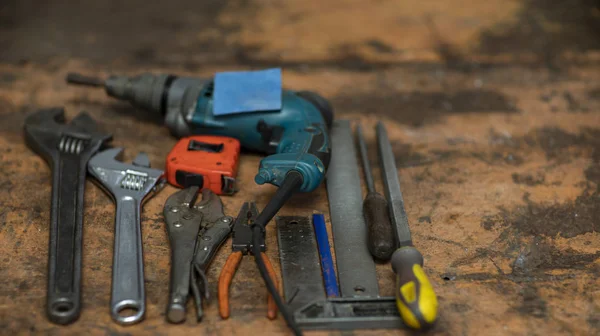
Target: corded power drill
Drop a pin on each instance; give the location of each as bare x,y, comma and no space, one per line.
295,138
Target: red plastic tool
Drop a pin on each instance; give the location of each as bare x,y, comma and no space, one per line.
206,161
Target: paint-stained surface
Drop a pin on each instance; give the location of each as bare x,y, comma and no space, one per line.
493,108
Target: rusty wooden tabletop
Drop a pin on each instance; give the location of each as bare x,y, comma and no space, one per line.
493,108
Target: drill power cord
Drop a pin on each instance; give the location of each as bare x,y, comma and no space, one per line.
291,183
260,264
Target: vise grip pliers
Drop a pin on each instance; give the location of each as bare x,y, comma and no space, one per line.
196,231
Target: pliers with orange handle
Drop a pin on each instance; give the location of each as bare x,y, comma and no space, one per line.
242,245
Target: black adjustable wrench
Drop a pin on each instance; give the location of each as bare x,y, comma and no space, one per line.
66,147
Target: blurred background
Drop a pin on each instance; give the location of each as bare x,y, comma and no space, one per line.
377,43
349,34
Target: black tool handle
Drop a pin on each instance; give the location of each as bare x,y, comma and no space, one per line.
66,226
381,241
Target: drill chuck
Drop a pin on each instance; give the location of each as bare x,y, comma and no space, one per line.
164,95
145,91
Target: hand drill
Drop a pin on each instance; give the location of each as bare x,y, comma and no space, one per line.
295,138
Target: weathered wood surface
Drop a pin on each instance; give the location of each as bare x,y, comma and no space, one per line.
493,108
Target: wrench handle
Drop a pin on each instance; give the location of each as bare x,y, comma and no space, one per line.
66,226
127,303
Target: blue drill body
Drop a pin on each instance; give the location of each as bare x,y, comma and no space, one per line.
295,136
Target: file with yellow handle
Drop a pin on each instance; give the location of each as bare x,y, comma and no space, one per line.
415,297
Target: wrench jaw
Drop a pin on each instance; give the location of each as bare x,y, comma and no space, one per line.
42,131
129,185
120,179
159,184
66,147
48,134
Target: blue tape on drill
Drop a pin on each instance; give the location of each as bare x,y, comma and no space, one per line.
329,277
247,91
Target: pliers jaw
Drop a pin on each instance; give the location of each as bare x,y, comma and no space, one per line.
242,244
182,217
242,230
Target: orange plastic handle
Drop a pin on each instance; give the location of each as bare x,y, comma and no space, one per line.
227,273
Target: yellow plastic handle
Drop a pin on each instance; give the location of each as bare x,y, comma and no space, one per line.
415,298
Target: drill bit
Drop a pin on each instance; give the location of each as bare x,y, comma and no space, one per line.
79,79
380,240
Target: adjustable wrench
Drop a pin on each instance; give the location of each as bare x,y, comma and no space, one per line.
67,149
129,185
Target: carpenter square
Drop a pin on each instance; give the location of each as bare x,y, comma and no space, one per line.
300,267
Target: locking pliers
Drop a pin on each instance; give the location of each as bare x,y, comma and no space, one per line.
196,231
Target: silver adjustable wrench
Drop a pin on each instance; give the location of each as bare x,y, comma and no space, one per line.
129,185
